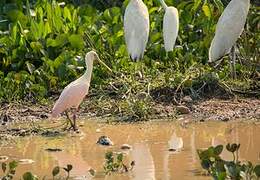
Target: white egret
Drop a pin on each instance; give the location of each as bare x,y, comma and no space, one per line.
136,28
170,26
74,93
229,27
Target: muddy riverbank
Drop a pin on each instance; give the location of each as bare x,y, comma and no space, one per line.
201,110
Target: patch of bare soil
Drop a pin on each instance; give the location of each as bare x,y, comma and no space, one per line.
224,110
22,112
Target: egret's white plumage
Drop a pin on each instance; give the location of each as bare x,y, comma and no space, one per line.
229,27
170,26
136,28
74,93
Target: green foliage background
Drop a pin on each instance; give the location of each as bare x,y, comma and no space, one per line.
43,43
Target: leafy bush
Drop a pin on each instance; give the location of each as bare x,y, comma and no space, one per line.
42,43
221,169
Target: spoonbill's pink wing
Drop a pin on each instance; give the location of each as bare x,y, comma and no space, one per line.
71,96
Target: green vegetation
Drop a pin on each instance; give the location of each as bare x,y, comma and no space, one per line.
114,163
42,45
221,169
8,175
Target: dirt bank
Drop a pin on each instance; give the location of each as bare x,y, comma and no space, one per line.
203,110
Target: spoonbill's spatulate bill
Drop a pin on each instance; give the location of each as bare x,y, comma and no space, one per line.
136,28
74,93
170,26
229,27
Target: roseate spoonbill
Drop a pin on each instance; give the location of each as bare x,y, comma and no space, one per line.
136,28
170,26
229,27
74,93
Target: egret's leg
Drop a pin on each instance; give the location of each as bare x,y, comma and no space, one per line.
74,119
136,69
167,55
68,118
233,63
142,70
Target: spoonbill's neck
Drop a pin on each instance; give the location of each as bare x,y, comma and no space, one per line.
89,69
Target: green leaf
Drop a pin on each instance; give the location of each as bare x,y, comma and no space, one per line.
55,171
13,165
29,176
218,149
156,37
59,41
69,167
206,10
47,29
120,157
109,155
67,13
16,15
30,67
36,46
107,15
196,4
221,175
76,41
205,163
257,170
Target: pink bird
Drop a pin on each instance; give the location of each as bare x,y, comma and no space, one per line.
74,93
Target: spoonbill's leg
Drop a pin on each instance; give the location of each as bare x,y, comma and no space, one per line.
68,118
74,119
233,62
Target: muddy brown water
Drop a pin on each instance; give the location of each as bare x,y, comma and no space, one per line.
150,144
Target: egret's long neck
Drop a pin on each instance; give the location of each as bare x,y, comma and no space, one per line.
164,5
88,72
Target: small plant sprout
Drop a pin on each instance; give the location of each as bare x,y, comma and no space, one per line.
55,171
114,163
68,169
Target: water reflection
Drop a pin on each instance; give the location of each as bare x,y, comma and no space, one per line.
144,164
150,149
175,143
